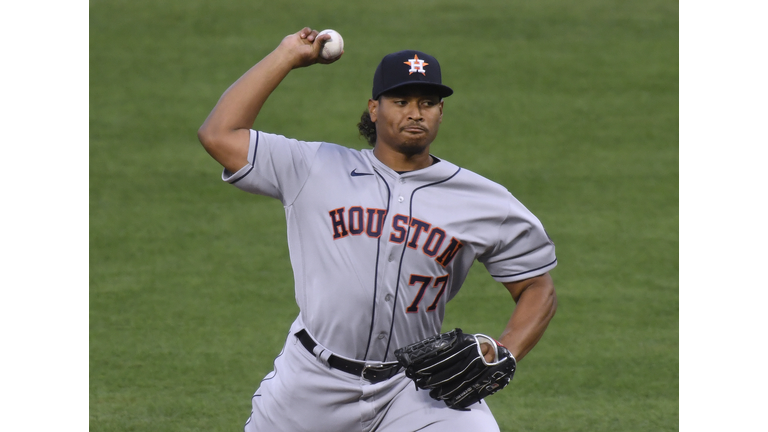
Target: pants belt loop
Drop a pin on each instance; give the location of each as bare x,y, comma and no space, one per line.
323,357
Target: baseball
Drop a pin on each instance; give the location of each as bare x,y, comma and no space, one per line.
333,46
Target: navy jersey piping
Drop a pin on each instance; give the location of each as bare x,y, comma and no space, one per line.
253,158
402,255
527,271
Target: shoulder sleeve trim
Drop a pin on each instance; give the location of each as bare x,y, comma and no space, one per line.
526,272
251,159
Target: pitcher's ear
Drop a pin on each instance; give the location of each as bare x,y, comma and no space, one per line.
373,107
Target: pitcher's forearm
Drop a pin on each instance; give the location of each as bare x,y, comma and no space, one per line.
536,305
239,106
225,133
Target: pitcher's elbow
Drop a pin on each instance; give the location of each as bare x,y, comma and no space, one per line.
206,137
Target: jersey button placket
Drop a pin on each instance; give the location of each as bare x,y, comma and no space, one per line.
388,275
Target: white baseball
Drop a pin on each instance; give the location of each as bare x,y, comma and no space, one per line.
333,46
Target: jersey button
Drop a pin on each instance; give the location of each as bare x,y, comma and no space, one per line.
402,180
388,297
391,258
400,199
382,335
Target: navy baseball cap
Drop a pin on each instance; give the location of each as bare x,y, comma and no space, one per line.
408,67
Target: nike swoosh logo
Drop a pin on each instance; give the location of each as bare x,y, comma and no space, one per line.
354,173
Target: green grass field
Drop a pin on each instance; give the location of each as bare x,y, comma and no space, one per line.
573,106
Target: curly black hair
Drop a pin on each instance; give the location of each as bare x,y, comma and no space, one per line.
367,128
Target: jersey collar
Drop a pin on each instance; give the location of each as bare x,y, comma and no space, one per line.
435,172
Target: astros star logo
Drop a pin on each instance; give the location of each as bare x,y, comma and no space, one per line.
416,65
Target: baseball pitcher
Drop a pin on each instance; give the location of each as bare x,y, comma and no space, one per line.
380,240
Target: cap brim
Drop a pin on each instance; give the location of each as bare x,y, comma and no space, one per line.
442,90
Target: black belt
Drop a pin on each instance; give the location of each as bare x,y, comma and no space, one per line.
372,373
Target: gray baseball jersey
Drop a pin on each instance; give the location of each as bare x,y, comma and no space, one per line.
376,254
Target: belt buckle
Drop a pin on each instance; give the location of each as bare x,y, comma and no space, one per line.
374,368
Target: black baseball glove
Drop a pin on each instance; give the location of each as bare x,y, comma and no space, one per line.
452,367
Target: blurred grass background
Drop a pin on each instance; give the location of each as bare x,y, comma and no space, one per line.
573,106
